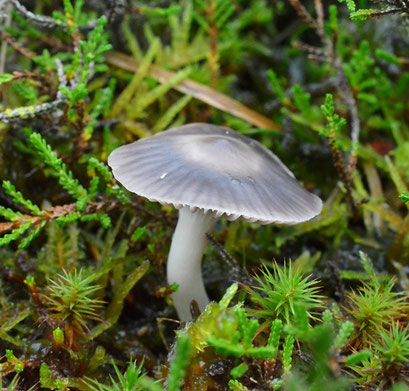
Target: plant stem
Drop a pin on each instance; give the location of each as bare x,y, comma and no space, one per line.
185,260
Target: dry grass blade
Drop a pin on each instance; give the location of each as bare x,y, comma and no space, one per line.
197,90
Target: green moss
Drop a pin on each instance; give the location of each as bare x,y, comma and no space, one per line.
83,293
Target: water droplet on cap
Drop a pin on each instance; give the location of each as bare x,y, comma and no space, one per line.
163,175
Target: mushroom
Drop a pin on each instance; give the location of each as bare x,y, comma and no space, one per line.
207,172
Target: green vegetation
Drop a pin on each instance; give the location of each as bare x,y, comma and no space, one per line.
281,292
84,303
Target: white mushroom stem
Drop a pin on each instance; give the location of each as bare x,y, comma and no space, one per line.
185,260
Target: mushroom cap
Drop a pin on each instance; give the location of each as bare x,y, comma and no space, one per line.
217,170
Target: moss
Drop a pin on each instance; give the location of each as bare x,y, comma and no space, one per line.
84,302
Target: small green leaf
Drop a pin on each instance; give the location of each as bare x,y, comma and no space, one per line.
388,57
180,362
239,371
46,379
275,83
342,337
404,197
362,14
359,357
139,233
5,77
58,336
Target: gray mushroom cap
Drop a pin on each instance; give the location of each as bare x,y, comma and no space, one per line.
217,170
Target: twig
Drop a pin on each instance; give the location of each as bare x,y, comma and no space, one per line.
314,53
48,22
55,212
61,76
9,40
314,89
344,89
336,280
306,17
329,55
344,173
3,49
237,273
213,59
347,95
26,112
21,113
41,20
320,14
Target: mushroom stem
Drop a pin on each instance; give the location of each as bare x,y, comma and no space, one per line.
185,260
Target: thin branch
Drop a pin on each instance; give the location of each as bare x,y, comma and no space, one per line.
320,14
330,56
314,89
17,47
3,49
306,17
237,273
41,20
55,212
